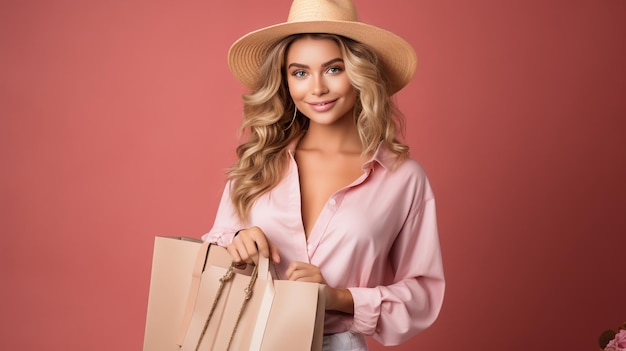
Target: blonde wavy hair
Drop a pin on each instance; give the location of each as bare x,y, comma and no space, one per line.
268,119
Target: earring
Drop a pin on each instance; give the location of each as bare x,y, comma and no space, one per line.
295,112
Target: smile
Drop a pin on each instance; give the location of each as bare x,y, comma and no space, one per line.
322,106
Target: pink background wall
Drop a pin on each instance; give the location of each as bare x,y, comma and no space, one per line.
117,119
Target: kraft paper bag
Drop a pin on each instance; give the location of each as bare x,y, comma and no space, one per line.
173,260
184,280
250,310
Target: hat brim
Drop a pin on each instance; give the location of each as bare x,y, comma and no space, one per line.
399,60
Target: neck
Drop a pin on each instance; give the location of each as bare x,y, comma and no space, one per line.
332,138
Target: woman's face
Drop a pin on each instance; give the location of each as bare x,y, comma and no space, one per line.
317,80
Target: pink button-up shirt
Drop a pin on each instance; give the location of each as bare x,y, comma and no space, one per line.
376,237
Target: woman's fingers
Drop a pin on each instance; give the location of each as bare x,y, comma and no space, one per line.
304,272
234,253
247,245
275,256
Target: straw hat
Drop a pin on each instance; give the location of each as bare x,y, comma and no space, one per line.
246,55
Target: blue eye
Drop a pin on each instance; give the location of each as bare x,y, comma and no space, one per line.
334,70
299,74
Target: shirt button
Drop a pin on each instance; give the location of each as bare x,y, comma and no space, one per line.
310,247
332,202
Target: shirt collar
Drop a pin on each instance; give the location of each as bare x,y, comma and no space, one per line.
382,156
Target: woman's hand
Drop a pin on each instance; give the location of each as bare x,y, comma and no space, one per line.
304,272
336,299
247,245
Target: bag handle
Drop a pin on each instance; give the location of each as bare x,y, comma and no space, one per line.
248,290
267,300
230,272
262,269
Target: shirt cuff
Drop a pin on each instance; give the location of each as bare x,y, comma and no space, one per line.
366,310
224,239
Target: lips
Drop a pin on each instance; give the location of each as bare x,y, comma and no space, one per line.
322,106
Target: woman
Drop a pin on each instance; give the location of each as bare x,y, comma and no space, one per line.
322,185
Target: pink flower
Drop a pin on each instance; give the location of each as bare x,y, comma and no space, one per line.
618,343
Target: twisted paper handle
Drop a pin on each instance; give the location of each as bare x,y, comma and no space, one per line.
248,290
226,277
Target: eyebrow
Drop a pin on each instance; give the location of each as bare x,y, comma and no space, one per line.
299,65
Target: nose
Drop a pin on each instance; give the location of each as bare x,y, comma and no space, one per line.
319,85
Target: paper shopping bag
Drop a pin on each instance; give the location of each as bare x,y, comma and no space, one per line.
174,280
249,310
172,262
